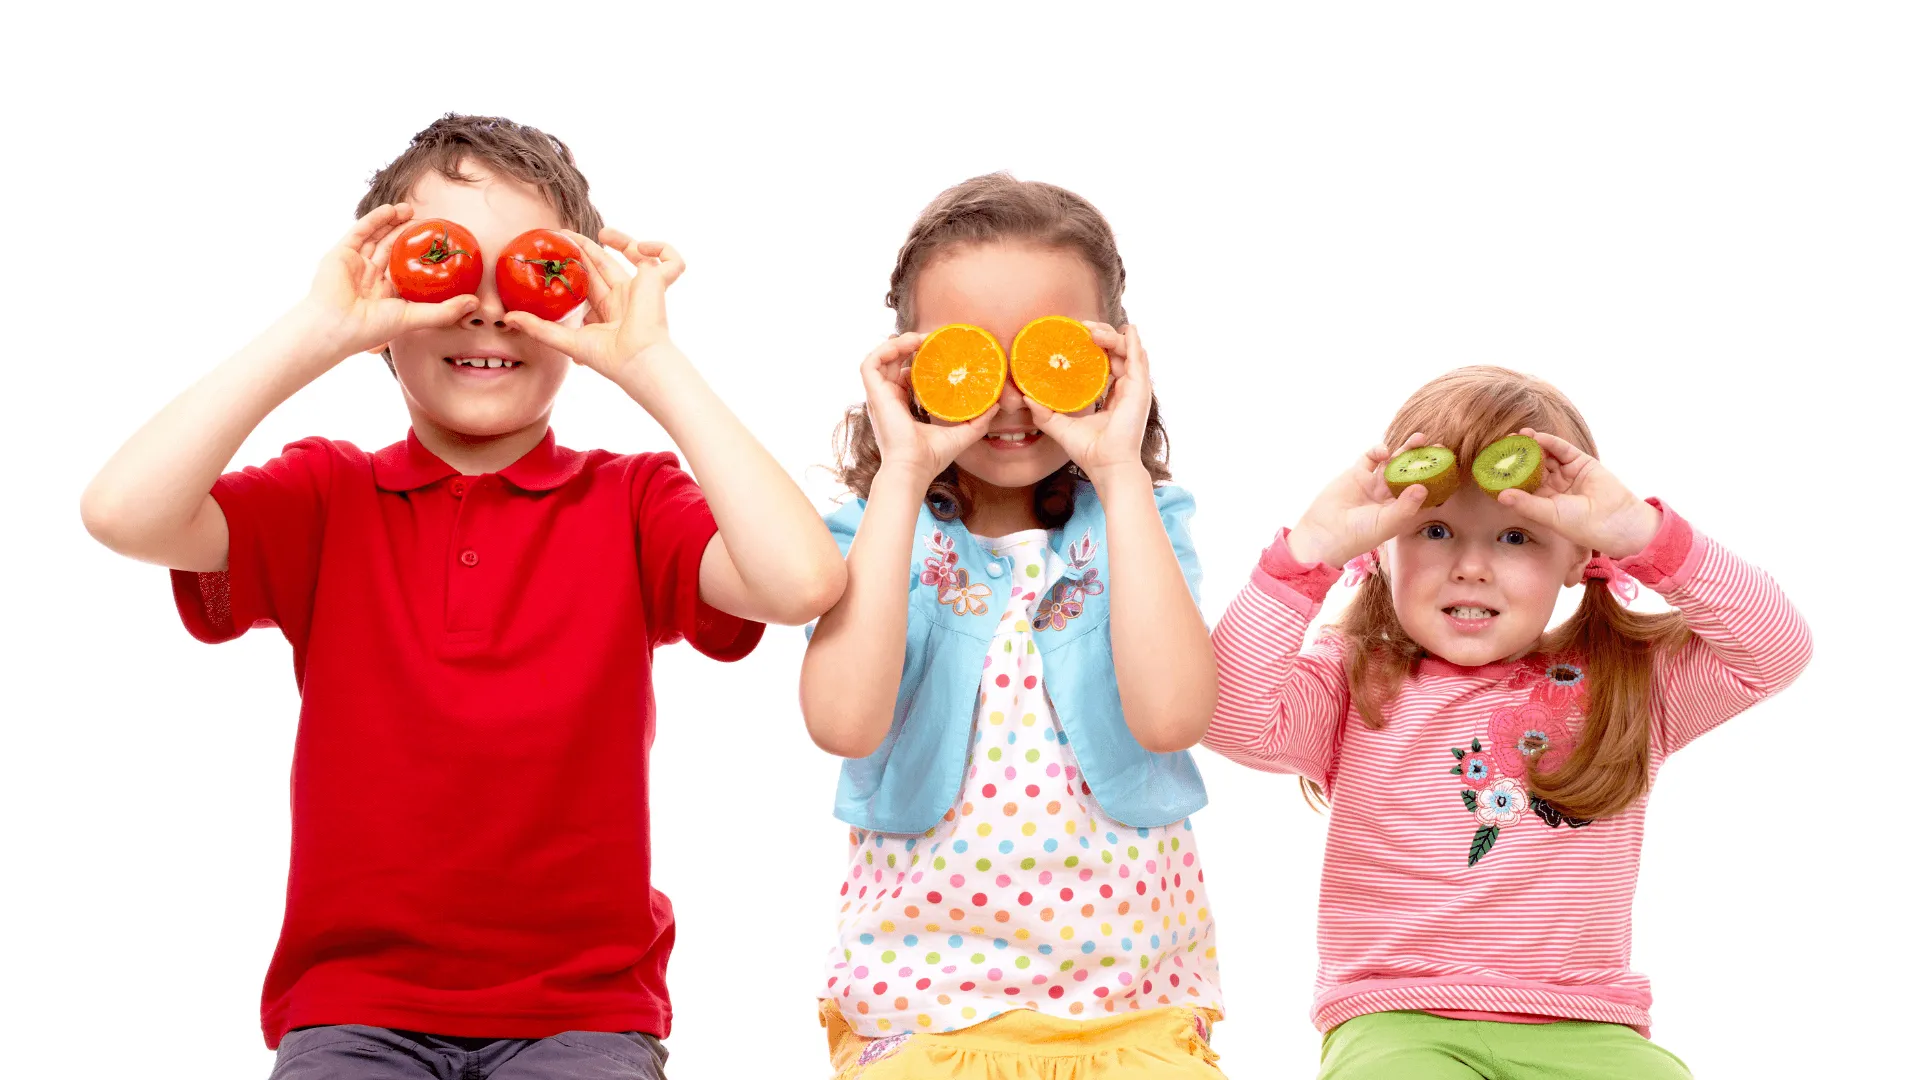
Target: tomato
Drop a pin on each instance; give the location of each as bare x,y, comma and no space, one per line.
542,273
435,260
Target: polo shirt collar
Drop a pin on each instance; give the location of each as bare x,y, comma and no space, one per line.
409,466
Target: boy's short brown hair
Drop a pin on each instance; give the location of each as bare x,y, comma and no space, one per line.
527,154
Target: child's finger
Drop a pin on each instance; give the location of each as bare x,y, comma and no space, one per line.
552,335
1558,448
1108,338
1405,507
602,271
1136,355
1534,508
444,313
382,253
369,227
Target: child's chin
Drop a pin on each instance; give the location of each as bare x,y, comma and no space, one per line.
1027,468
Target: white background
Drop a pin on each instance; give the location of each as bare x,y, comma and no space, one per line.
1698,221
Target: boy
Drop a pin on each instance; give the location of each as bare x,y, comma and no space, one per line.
472,613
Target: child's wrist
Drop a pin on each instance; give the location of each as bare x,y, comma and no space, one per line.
1638,536
1109,477
902,480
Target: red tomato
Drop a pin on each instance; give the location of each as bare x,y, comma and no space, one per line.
435,260
542,273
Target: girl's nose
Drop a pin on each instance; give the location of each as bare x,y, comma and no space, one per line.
1470,567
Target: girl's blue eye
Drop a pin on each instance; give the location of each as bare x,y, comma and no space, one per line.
1433,530
1514,536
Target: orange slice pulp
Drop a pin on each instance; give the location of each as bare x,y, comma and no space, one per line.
1056,363
959,372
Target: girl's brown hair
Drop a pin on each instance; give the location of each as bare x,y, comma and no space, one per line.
1465,410
983,210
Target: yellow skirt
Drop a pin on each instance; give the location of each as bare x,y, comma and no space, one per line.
1022,1044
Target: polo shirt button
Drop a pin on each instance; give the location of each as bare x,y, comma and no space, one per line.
469,557
994,569
459,488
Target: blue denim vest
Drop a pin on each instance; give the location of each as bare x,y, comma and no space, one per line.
954,602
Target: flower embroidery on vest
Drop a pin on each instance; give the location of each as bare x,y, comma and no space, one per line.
941,570
965,599
1068,597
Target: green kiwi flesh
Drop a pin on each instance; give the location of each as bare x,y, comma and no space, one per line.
1433,466
1513,462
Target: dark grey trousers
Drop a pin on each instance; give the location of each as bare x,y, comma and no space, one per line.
354,1052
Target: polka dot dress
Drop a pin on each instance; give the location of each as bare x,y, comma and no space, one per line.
1026,895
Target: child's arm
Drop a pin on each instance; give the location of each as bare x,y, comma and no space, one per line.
1280,711
851,675
151,501
1161,658
772,560
1748,641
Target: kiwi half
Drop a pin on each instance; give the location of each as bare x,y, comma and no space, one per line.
1513,462
1433,466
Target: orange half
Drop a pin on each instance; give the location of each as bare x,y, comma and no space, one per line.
959,372
1056,363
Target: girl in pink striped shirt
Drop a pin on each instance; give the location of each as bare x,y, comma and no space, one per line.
1486,777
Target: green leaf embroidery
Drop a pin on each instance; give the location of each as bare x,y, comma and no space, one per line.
1455,771
1472,800
1483,839
1458,753
1476,745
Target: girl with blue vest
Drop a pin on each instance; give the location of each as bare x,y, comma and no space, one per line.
1014,675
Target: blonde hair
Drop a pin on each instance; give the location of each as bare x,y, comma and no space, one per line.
1465,410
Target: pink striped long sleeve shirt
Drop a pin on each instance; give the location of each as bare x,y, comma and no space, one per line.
1447,888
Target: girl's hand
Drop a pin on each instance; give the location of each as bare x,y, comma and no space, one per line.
1108,438
923,450
352,305
1357,512
626,309
1579,499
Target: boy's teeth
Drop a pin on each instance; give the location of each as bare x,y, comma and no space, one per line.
1471,613
1012,436
485,362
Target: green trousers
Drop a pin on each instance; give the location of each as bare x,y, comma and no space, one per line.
1421,1046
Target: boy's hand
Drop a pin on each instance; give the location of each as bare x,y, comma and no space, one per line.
1357,512
626,309
352,302
1579,499
921,449
1109,437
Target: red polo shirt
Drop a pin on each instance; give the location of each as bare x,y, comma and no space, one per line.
474,656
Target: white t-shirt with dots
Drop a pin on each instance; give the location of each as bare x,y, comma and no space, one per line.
1026,895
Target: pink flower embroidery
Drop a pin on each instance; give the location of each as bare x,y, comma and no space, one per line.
942,564
1558,686
1501,804
1056,609
1529,734
965,599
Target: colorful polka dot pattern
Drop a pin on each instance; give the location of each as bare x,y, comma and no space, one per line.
1025,895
